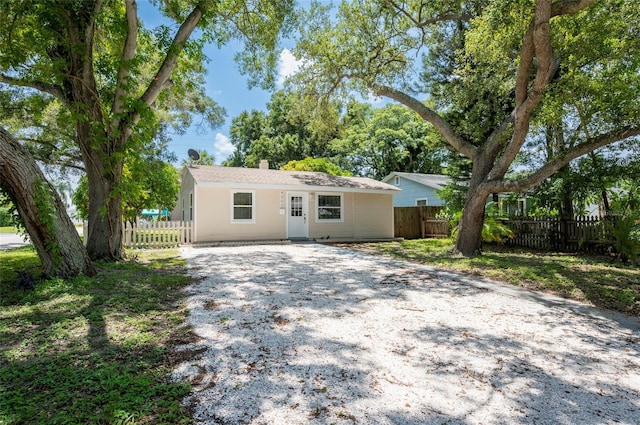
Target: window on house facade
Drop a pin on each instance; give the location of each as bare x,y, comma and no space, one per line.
396,181
191,206
243,207
522,207
422,202
330,207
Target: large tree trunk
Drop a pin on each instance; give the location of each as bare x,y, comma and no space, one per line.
469,239
104,174
104,238
53,234
102,150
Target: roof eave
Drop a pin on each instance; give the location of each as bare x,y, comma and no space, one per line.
300,188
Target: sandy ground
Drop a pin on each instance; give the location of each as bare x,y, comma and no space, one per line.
309,334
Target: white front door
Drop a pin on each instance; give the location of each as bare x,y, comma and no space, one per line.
297,215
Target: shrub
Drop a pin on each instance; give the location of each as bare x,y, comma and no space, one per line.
6,217
627,235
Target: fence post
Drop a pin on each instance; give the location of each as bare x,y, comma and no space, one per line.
564,237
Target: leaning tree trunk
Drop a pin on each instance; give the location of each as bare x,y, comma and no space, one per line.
469,239
53,234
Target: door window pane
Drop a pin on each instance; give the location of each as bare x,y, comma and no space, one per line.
296,206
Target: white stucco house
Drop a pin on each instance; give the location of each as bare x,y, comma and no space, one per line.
235,204
417,189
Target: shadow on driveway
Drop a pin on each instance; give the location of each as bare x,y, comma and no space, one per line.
315,334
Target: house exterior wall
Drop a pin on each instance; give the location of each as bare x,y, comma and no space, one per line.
374,215
214,212
322,230
364,215
186,188
412,191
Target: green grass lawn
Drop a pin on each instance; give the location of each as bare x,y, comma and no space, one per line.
98,350
598,280
7,229
92,350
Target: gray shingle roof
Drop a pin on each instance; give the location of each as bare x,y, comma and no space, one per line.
261,177
436,181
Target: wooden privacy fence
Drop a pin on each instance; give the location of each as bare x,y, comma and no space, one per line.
155,234
419,222
591,234
580,234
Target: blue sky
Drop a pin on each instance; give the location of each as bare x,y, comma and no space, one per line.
226,86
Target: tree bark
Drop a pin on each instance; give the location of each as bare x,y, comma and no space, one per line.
469,239
102,134
53,234
100,145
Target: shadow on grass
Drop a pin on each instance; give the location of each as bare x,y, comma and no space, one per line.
607,285
92,350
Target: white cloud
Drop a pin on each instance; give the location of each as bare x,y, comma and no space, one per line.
287,65
222,147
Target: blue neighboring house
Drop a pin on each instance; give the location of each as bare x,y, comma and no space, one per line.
417,189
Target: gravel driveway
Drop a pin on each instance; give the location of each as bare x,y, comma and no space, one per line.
310,334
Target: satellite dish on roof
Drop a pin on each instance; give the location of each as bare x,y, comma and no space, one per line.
193,154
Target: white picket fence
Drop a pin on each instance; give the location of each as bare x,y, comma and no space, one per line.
155,234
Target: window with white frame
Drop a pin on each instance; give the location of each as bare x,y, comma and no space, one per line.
422,202
191,206
330,207
243,206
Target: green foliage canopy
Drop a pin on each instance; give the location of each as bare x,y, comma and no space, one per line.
500,66
387,139
112,75
152,185
291,129
316,164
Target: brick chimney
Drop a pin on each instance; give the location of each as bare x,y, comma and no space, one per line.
264,164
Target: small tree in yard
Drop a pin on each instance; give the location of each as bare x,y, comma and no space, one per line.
494,70
42,211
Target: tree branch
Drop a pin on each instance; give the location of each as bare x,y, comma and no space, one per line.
421,23
535,44
526,60
429,115
559,161
128,52
51,89
161,78
64,159
545,68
